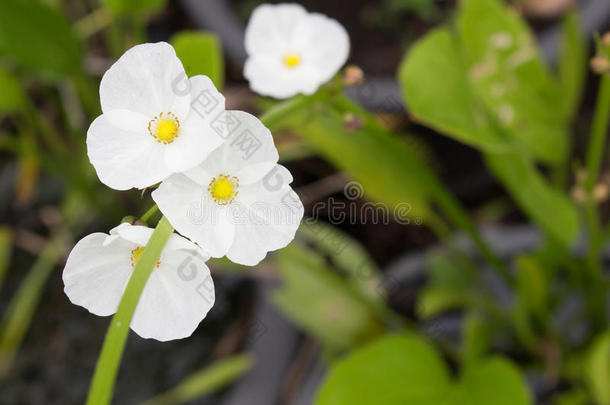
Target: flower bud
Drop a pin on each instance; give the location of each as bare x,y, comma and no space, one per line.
600,192
600,65
606,40
352,122
353,75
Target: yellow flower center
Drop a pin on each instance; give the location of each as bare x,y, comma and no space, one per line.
292,60
223,189
136,254
165,127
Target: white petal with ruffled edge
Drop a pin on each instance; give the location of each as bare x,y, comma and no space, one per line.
274,31
177,296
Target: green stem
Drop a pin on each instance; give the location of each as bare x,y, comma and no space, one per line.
205,381
599,130
19,314
276,117
102,386
93,22
595,154
451,207
148,214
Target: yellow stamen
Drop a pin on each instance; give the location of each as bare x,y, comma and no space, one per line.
136,254
292,60
165,127
223,189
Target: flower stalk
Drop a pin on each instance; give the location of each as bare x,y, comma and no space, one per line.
102,386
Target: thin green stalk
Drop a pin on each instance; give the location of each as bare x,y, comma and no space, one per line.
102,385
290,151
93,22
451,207
595,154
276,116
18,316
148,214
445,235
205,381
6,241
599,130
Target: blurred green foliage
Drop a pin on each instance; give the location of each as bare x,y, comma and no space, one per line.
338,316
205,381
39,38
201,54
134,7
406,370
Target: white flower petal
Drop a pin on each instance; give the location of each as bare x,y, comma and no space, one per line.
177,296
189,208
248,153
137,234
269,77
198,137
124,159
270,27
149,79
95,275
324,44
274,215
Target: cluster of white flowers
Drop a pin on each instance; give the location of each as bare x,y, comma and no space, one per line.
220,182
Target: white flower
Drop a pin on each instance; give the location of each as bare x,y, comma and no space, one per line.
177,296
238,202
291,51
155,120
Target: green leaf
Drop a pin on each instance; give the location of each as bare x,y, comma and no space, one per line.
205,381
574,397
477,338
443,271
494,381
433,300
544,205
394,180
134,7
572,63
349,255
435,87
319,301
598,369
394,370
39,37
12,97
532,285
506,72
201,54
107,367
405,370
447,286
